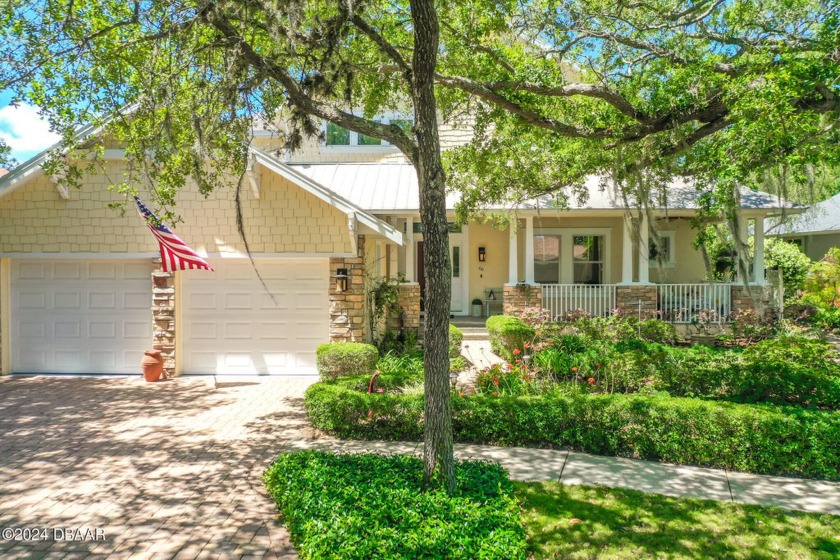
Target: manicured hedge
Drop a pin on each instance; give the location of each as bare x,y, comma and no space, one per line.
373,506
508,334
341,359
456,337
763,439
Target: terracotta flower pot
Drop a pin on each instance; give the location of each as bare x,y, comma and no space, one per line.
152,364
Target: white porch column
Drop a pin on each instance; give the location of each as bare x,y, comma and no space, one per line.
627,251
529,250
744,237
644,250
513,257
758,251
380,258
409,248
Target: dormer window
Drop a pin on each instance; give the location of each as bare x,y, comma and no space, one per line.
338,137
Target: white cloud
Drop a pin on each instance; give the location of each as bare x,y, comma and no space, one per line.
24,131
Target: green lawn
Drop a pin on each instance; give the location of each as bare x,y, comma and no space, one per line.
604,523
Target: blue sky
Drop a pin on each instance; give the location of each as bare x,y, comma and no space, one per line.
23,130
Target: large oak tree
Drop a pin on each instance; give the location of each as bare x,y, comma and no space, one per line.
555,90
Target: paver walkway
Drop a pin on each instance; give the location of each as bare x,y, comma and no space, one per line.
169,469
173,469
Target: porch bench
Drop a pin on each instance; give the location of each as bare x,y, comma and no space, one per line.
493,296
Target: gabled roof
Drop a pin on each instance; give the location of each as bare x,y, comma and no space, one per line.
350,208
393,187
819,218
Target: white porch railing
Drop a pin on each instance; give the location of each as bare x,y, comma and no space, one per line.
561,299
690,303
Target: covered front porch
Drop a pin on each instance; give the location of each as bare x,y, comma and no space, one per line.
651,270
591,264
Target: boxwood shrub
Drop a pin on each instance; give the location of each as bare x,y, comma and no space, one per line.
508,334
456,337
764,439
374,506
340,359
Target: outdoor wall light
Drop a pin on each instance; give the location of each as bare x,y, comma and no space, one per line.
341,279
482,254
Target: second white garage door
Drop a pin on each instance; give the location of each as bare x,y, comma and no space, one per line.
232,325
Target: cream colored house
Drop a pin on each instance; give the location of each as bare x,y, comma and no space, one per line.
815,231
81,291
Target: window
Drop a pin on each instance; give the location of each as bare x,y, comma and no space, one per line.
547,259
405,124
662,253
456,261
339,137
588,259
369,140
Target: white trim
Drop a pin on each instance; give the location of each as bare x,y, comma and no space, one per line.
513,256
157,255
627,251
5,317
529,250
327,195
758,252
365,149
80,255
14,179
644,250
464,243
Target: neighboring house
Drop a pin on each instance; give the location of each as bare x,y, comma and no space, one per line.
815,231
78,280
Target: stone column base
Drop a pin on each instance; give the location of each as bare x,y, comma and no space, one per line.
517,299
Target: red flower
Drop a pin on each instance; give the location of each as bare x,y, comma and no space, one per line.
527,345
574,368
495,382
597,364
516,351
495,393
462,394
591,380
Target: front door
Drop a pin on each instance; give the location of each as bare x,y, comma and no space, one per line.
456,259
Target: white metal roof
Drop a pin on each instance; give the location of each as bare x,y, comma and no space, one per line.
819,218
393,188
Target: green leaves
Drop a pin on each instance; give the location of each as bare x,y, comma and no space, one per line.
372,506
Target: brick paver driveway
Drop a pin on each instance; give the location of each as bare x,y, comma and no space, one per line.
170,469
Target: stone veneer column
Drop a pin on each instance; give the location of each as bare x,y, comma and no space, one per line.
347,308
516,299
627,300
163,315
408,301
765,299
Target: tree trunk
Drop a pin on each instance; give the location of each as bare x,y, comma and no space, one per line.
438,458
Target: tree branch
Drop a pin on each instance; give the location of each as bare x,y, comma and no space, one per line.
306,103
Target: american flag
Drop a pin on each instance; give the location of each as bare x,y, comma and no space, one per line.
174,253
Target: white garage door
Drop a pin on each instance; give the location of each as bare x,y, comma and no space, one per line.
80,316
231,325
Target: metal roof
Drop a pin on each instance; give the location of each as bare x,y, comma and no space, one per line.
819,218
392,187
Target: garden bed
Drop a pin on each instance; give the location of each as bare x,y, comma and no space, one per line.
373,506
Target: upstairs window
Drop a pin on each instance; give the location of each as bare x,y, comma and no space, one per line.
338,137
